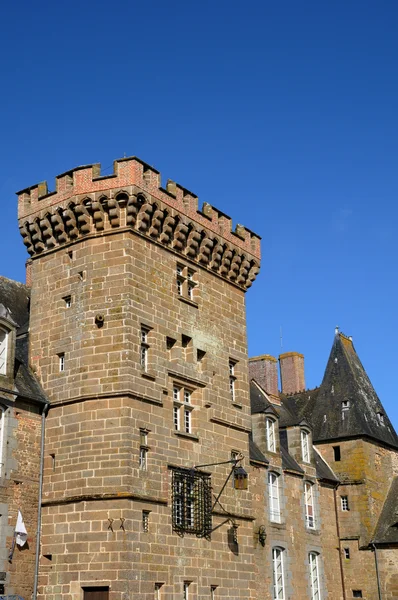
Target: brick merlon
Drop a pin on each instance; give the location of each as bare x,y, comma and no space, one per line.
132,175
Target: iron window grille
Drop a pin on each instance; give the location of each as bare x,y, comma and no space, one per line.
191,506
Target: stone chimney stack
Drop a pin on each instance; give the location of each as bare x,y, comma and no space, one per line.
292,372
264,369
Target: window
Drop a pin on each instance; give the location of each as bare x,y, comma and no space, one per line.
61,358
213,592
191,502
270,434
145,520
337,453
273,494
3,351
380,418
186,282
344,503
278,574
68,301
144,348
346,553
186,589
2,425
232,379
314,576
345,406
305,446
309,505
143,461
182,409
357,593
158,587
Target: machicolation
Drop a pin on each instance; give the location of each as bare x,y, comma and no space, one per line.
87,204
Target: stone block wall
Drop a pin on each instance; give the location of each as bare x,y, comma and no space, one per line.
19,488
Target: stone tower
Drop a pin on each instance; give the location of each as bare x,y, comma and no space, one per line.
355,436
138,335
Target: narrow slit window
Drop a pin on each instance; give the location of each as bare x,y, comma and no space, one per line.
145,520
61,362
344,503
68,301
309,505
273,496
337,453
232,380
347,553
144,348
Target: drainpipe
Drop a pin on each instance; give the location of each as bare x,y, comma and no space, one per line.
338,535
377,571
37,557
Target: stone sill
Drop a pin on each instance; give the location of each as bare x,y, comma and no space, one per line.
277,525
313,531
189,436
188,301
237,405
148,375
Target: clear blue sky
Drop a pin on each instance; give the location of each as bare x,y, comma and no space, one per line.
281,114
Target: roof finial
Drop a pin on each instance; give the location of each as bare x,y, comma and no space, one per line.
337,329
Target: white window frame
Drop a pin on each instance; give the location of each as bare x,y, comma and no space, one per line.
314,576
274,497
310,519
278,572
4,350
182,409
143,458
62,362
345,507
232,379
2,438
270,434
144,348
305,445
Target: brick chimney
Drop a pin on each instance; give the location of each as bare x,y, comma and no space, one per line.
264,369
292,372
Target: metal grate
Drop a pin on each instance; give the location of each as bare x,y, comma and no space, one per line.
191,511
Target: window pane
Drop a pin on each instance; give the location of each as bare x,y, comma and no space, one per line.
3,351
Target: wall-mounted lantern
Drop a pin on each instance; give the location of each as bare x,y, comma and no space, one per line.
240,478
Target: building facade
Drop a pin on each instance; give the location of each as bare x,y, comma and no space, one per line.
173,468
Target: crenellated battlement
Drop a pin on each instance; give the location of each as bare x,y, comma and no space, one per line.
132,171
87,203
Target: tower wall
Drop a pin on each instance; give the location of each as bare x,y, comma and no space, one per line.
107,264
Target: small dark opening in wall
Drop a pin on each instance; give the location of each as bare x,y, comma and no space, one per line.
70,254
200,354
185,340
170,343
2,591
48,556
337,453
357,593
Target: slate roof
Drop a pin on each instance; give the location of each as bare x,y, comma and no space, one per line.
255,453
15,297
345,379
323,471
387,527
258,399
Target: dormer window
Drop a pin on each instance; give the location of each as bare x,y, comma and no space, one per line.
3,351
270,434
380,418
345,405
305,446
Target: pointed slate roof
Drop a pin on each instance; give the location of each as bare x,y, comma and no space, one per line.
345,380
387,527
